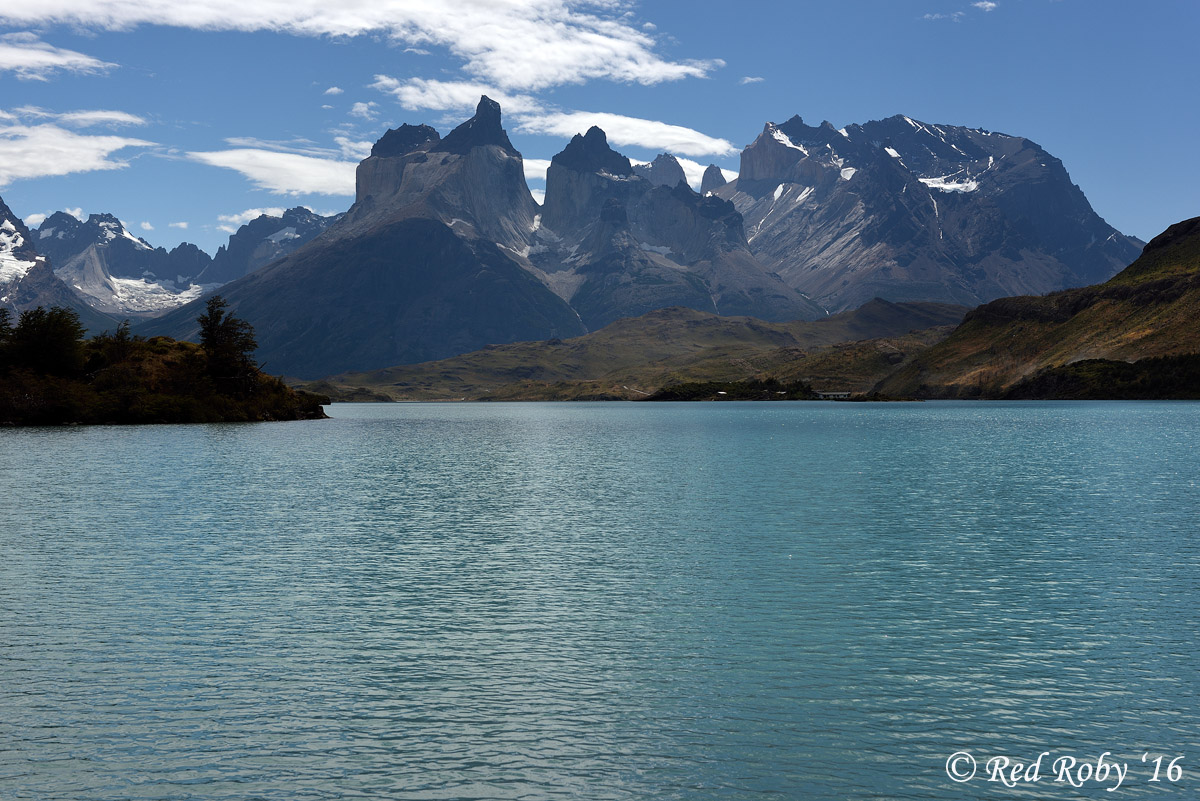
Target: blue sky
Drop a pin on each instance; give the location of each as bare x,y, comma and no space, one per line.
182,120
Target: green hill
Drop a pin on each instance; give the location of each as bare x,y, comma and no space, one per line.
1148,310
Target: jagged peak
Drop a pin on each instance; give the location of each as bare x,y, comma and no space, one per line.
713,179
404,140
481,130
61,218
664,170
590,153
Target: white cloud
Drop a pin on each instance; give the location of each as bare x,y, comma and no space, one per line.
77,213
955,17
36,151
34,220
985,5
352,149
243,217
624,131
421,93
334,90
539,195
285,173
147,226
751,79
535,169
181,225
32,59
79,119
516,44
364,110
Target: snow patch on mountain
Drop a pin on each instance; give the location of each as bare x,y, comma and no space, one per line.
12,268
783,139
944,184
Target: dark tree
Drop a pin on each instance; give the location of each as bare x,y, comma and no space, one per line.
49,342
228,341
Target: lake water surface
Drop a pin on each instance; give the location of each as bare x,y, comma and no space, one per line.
601,601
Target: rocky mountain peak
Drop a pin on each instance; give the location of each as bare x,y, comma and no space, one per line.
713,179
404,140
591,153
15,239
481,130
663,171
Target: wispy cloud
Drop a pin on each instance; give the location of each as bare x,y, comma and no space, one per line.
243,217
181,225
26,55
624,131
145,226
955,16
285,173
420,94
80,119
985,5
37,151
353,149
515,44
751,79
334,90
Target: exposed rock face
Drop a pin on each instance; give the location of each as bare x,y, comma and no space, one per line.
26,278
615,245
713,179
910,211
663,171
263,240
404,140
472,180
114,271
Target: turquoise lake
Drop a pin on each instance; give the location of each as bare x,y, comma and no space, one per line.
602,601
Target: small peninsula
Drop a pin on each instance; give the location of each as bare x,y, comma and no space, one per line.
51,375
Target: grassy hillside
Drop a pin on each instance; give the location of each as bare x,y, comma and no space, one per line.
632,358
1148,310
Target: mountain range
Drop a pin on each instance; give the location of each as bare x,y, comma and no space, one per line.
907,210
445,250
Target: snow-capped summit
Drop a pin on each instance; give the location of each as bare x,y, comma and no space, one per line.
116,272
17,255
26,280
